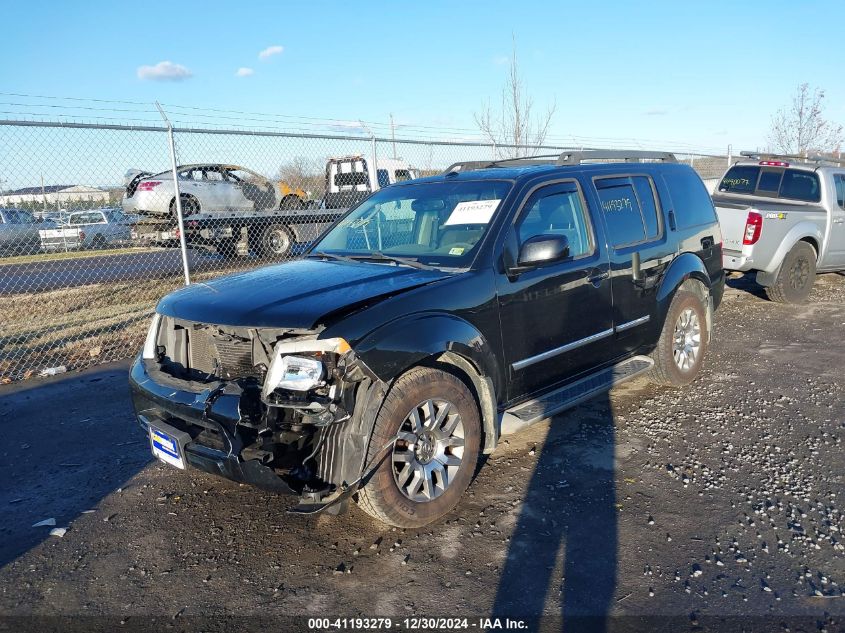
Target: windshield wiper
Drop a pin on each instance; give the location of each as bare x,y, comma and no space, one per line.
325,255
378,256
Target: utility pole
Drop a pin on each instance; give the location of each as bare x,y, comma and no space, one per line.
393,135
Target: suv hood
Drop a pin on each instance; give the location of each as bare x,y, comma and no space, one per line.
292,295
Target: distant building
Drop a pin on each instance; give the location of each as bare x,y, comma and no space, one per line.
54,194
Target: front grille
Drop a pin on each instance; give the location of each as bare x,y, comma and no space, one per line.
218,354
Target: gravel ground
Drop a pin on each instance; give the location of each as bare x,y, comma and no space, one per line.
716,507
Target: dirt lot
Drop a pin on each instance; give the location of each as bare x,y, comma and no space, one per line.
718,507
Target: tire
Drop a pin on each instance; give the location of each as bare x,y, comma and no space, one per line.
276,241
401,497
676,361
99,242
190,206
290,203
796,276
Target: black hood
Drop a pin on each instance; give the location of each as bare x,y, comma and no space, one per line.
295,295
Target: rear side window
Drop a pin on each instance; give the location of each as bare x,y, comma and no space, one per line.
630,209
690,201
621,211
839,181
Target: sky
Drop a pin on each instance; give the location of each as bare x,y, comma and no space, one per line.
681,74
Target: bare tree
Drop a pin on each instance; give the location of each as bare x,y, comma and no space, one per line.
306,173
516,124
802,127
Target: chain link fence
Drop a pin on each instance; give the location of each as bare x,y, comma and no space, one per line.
94,227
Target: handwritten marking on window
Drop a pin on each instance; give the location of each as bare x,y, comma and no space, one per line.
735,182
617,204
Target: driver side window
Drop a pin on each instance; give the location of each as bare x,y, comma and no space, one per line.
557,212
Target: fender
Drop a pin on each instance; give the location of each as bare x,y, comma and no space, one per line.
800,231
685,266
395,347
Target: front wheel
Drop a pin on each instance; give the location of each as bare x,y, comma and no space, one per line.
276,241
683,341
796,276
432,429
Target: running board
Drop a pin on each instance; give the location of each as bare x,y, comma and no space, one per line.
533,411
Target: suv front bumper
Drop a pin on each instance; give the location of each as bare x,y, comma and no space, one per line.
209,414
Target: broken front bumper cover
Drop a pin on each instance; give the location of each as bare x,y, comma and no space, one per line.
182,406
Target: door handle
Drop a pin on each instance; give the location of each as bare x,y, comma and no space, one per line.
597,277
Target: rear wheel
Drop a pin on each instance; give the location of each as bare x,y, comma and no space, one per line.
190,206
432,420
796,276
99,242
276,241
683,340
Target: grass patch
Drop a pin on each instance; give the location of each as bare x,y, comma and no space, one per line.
49,257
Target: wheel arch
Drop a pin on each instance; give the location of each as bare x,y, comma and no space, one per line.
684,271
441,340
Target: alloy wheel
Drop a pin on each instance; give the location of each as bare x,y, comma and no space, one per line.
687,340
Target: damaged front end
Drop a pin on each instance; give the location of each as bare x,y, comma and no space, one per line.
277,408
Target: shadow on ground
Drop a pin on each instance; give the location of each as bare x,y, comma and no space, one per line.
564,549
67,443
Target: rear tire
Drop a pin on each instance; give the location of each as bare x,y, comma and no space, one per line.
99,242
796,276
683,341
190,206
424,474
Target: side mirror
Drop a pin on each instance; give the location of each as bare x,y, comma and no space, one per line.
541,249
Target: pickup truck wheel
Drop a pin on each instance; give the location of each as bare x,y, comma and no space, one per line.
683,341
796,276
433,421
99,242
276,241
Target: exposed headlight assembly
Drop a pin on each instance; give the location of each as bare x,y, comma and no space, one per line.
299,373
152,336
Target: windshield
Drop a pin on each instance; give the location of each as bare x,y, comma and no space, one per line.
16,216
435,223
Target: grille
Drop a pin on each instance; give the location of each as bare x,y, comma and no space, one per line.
220,354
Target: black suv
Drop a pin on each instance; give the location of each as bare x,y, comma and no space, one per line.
431,319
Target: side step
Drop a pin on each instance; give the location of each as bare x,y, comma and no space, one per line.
528,413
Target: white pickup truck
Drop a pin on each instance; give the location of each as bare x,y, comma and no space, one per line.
783,217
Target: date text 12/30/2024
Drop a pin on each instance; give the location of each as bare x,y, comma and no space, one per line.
415,624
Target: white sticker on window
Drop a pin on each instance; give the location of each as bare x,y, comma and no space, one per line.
473,212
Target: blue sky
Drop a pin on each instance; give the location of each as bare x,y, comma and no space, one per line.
700,74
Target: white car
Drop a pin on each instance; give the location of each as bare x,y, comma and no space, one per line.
206,188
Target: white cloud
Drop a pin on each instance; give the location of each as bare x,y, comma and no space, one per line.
270,51
164,71
244,72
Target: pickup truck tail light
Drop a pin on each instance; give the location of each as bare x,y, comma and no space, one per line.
81,235
753,227
148,185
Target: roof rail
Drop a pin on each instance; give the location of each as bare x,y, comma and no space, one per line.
569,157
619,155
810,158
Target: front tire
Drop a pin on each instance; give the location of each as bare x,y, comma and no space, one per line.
796,276
683,341
433,421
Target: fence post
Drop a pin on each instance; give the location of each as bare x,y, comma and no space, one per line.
183,246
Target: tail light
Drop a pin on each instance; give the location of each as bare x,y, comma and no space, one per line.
148,185
753,227
82,235
774,163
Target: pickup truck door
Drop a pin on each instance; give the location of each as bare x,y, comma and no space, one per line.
836,247
556,319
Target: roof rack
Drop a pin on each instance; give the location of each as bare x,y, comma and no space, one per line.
810,158
569,157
